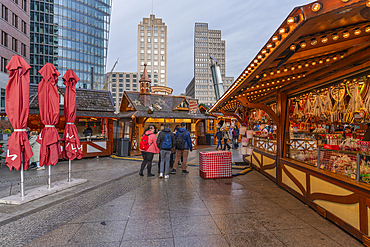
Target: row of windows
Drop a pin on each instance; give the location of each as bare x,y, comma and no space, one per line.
127,75
149,28
155,40
16,21
14,46
150,34
149,57
3,64
155,63
127,80
22,4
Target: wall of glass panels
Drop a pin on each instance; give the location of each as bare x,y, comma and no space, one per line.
71,35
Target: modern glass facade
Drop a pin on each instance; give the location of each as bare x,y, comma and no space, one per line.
71,34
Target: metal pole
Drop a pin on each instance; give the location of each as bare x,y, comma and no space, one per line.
49,178
69,170
358,167
22,176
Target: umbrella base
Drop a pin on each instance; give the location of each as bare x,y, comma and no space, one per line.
36,193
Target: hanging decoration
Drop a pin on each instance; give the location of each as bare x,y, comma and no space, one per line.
318,107
355,104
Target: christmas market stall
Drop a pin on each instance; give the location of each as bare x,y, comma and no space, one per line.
310,84
94,121
138,110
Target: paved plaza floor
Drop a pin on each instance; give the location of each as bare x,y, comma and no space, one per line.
117,207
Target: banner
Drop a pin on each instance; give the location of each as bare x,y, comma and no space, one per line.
193,105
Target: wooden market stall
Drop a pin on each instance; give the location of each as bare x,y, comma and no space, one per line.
312,80
94,109
138,110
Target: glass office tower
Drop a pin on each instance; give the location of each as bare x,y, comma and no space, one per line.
71,35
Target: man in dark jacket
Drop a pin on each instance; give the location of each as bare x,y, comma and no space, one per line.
235,137
165,146
219,137
182,132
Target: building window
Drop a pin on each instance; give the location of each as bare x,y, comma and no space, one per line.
141,28
149,28
24,27
4,13
141,39
141,51
127,80
142,34
155,63
113,94
162,34
15,20
23,49
155,34
133,80
162,71
155,52
162,46
4,38
149,51
162,63
113,90
113,75
162,29
141,57
113,80
134,75
120,90
149,34
4,62
134,85
120,80
155,29
14,44
24,5
149,46
127,75
120,75
127,86
120,85
149,40
120,95
162,52
155,46
162,40
155,40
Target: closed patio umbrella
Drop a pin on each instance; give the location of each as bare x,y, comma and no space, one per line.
48,96
17,96
71,146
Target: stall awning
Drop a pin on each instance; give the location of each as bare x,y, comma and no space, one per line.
317,45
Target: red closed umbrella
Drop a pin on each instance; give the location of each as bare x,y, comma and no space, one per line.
17,100
71,146
49,112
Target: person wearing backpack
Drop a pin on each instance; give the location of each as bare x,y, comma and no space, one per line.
183,145
219,137
235,137
148,147
165,142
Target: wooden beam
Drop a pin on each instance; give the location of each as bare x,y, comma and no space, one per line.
263,107
232,115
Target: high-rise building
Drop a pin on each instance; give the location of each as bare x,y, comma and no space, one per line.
15,37
122,81
207,42
152,49
71,35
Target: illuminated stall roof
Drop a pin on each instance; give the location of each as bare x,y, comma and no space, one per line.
317,45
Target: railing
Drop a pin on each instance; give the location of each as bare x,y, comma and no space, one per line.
265,144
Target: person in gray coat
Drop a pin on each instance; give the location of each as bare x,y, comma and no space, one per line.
165,142
36,150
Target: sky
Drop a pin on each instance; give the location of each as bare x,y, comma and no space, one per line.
245,25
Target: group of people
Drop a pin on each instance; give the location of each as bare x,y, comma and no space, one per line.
227,134
171,146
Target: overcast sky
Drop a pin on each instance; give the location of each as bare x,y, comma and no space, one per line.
245,26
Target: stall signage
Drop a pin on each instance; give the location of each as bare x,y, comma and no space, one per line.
357,115
193,105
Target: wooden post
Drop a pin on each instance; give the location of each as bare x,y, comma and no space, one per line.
281,111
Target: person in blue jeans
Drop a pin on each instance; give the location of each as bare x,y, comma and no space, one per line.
188,146
165,142
219,137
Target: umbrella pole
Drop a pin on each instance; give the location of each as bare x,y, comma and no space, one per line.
49,178
22,176
69,170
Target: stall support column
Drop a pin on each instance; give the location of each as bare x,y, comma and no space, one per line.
281,111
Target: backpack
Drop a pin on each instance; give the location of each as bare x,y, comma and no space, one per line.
144,143
167,142
180,145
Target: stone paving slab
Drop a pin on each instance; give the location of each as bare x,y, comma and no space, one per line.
117,207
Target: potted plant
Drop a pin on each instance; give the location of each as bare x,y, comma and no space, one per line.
151,109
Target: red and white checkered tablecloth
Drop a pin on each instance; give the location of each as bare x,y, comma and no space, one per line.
215,164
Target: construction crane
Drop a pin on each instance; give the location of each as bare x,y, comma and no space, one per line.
217,78
96,84
107,79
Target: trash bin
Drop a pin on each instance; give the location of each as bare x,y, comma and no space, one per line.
123,147
209,139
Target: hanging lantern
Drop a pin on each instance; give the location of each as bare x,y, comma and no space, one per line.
94,124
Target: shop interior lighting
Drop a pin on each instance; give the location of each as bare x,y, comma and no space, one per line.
368,4
313,63
313,42
278,71
299,66
285,70
303,44
357,31
345,1
259,56
293,47
263,51
282,30
275,38
316,7
346,34
272,72
320,61
328,60
324,39
367,29
335,36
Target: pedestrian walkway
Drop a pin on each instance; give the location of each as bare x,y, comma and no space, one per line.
184,210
